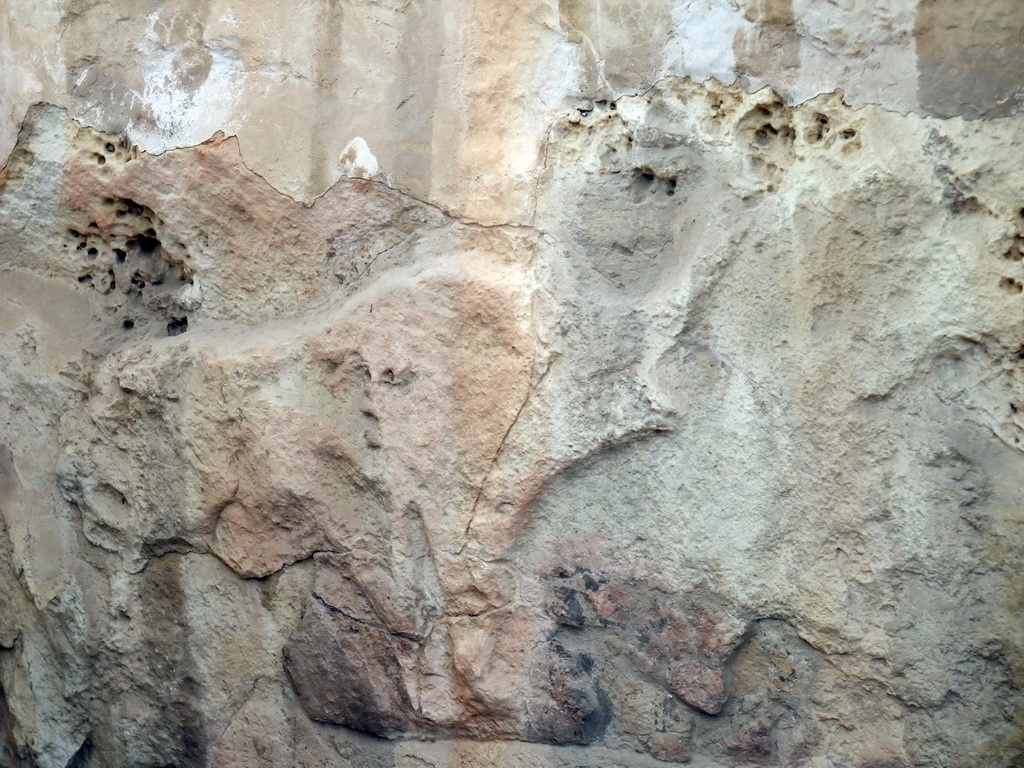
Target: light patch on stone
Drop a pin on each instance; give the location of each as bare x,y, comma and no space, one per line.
702,45
191,296
230,19
49,13
22,80
868,47
969,58
357,161
185,114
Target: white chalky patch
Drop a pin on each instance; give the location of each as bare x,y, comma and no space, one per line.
357,161
186,115
703,39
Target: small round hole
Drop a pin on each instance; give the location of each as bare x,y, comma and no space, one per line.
109,147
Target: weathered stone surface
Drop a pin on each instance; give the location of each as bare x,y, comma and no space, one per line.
452,103
517,384
346,672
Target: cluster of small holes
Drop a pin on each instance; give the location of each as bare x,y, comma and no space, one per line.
646,182
822,127
97,275
769,124
602,105
106,150
127,256
776,134
769,133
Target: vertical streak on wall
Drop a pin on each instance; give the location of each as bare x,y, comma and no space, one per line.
771,46
499,90
328,60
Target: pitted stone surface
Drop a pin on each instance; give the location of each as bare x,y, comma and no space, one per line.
520,395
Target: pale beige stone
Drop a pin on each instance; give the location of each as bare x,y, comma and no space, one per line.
525,384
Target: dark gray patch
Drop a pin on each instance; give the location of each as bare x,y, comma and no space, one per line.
177,726
566,608
970,58
346,672
82,755
574,709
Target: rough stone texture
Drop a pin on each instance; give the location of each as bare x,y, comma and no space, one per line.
536,384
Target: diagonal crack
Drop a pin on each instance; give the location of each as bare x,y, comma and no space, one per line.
497,453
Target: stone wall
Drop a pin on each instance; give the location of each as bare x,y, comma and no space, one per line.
458,384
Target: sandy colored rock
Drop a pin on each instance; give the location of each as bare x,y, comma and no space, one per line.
532,384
